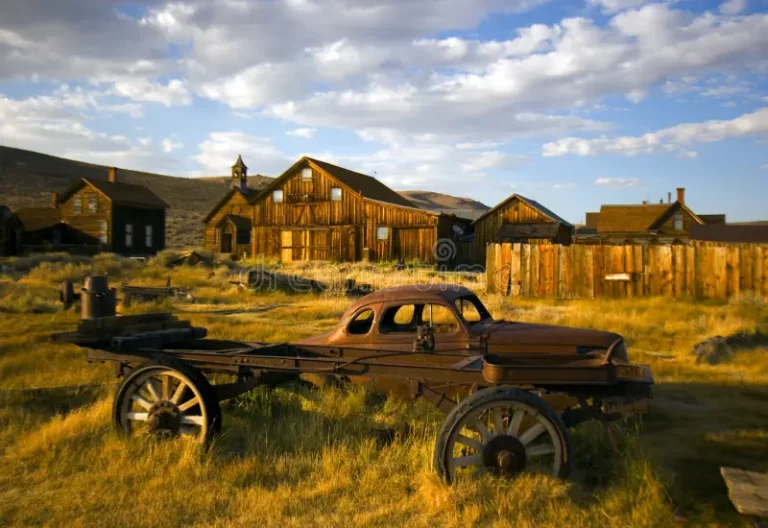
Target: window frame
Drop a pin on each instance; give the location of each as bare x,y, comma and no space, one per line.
356,315
378,231
336,194
456,318
128,230
93,203
77,204
678,217
149,236
103,232
276,193
304,172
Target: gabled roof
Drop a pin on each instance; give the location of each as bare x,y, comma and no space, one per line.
249,194
238,221
37,218
638,218
120,193
530,203
367,186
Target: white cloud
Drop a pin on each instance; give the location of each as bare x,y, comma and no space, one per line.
220,150
672,139
618,183
173,93
614,6
307,133
169,145
733,7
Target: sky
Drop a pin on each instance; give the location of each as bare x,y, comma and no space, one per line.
571,103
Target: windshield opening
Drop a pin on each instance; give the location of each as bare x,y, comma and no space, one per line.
471,309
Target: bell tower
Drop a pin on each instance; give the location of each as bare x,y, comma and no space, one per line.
240,174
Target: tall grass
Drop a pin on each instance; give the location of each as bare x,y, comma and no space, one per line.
297,456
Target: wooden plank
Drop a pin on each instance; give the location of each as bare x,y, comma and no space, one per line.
746,278
598,267
515,270
732,271
618,277
490,268
506,264
525,270
678,267
666,270
637,269
748,490
589,271
619,264
764,253
568,272
535,269
721,277
690,271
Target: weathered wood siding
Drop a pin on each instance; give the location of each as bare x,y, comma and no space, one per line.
708,272
667,228
236,205
412,234
513,212
86,226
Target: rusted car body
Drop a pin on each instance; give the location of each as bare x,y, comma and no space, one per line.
510,390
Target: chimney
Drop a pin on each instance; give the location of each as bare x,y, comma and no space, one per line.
54,199
681,195
669,197
112,174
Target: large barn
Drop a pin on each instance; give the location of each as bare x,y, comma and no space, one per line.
319,211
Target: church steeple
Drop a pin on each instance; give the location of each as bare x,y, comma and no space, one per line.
240,174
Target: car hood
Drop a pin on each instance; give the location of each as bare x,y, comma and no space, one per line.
504,336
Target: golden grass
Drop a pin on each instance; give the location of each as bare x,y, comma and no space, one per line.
296,456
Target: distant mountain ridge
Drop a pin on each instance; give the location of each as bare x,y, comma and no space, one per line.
28,178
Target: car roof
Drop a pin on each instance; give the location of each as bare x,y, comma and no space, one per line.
414,292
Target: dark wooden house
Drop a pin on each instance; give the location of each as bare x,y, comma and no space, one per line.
10,232
662,223
518,219
319,211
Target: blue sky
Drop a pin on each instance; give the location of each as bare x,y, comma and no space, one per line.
572,103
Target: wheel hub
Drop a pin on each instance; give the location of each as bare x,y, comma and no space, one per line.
504,455
164,419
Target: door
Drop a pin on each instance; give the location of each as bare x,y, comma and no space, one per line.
226,242
286,244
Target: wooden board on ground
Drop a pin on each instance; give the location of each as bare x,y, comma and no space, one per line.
748,490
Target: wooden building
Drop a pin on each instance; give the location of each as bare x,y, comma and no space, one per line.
662,223
318,211
10,232
737,233
518,219
96,215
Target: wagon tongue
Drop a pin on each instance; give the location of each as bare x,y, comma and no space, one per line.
528,337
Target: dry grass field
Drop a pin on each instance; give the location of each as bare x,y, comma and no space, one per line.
298,456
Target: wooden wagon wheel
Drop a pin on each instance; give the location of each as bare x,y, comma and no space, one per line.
167,399
504,431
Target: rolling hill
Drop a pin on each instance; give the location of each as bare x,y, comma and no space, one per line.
27,179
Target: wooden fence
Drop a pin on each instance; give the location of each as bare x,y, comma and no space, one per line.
707,272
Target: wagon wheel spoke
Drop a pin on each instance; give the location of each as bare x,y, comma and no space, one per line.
180,388
192,420
482,429
141,401
470,442
138,416
151,387
531,434
166,386
539,450
498,421
188,404
470,460
514,423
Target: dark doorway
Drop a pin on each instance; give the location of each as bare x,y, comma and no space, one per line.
226,242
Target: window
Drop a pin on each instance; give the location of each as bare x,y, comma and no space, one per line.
148,236
335,194
128,235
440,318
306,174
93,203
471,309
382,233
399,319
361,323
77,204
678,221
103,234
277,196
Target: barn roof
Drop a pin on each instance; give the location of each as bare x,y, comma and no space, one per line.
530,203
37,218
738,233
367,186
120,193
239,221
629,218
540,230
